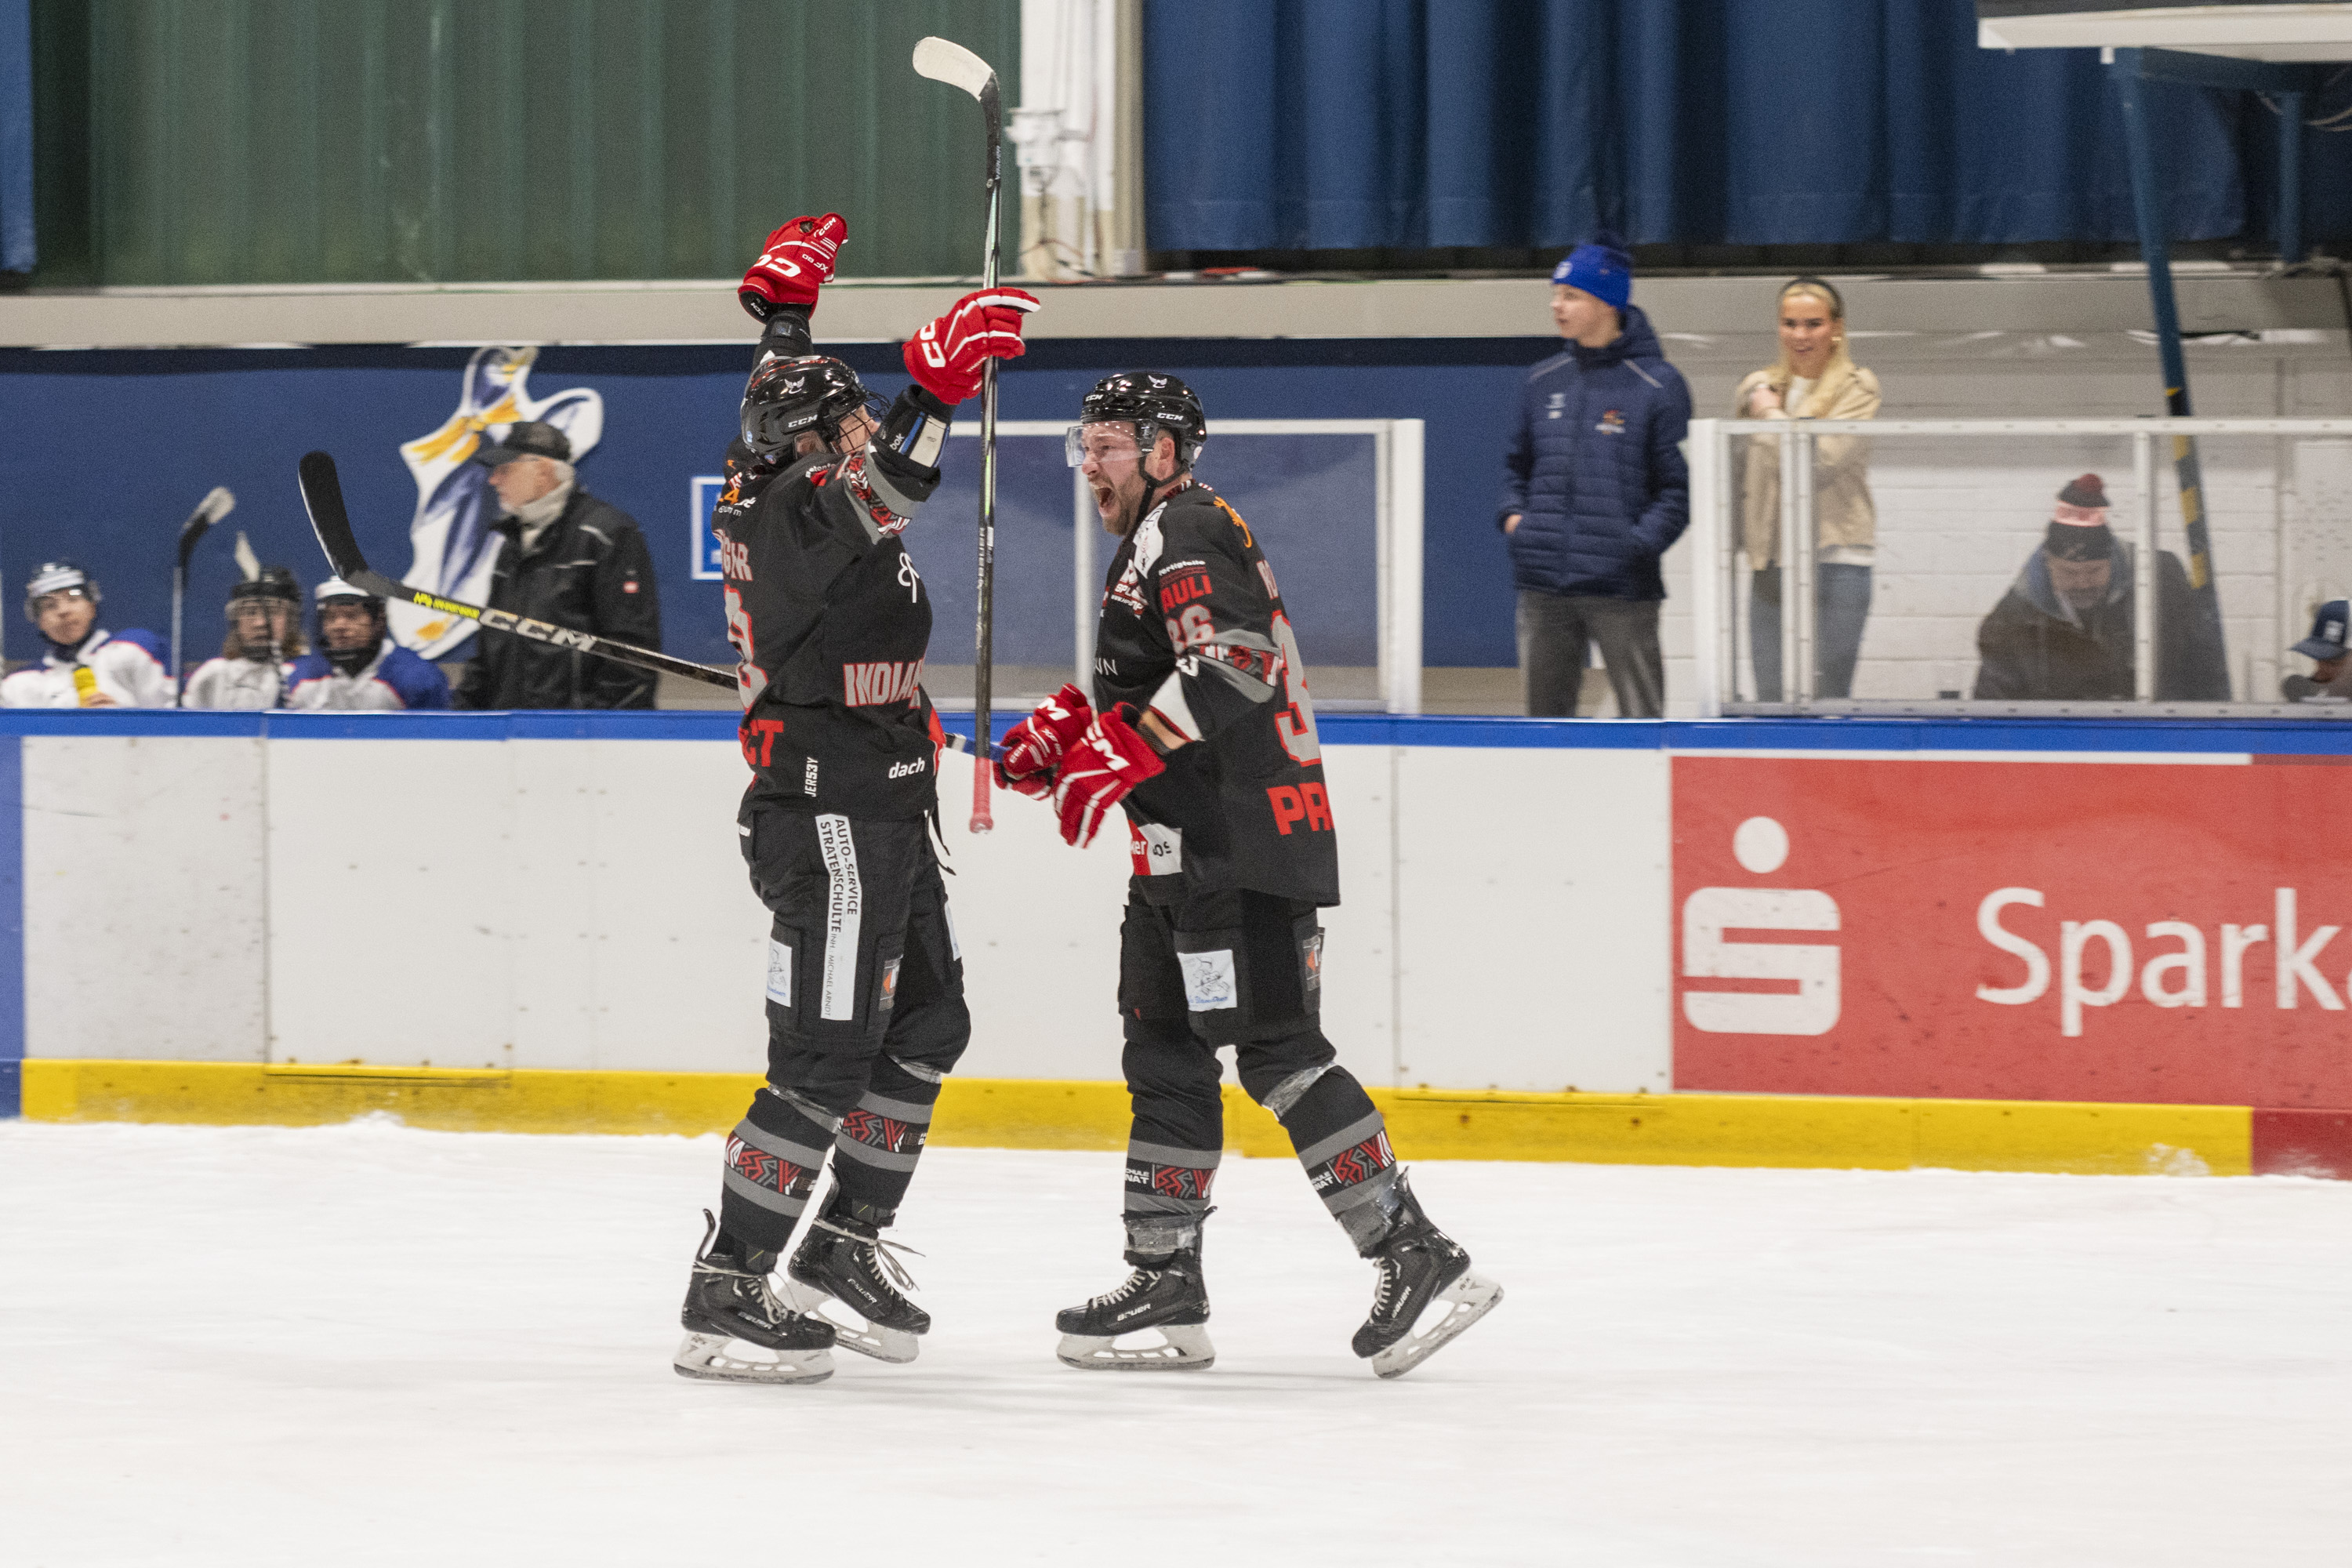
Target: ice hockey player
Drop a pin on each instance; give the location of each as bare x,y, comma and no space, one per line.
865,987
358,665
85,667
265,636
1201,726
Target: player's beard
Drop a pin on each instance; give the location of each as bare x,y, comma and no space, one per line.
1127,502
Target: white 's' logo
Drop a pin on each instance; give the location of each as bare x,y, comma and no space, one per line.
1761,846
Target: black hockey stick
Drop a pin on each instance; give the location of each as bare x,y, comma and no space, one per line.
960,67
322,494
218,504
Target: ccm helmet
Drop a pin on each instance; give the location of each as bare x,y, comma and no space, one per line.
806,392
1152,402
57,577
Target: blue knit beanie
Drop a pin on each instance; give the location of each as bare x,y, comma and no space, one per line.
1601,268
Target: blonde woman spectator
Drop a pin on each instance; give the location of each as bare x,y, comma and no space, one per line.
1814,379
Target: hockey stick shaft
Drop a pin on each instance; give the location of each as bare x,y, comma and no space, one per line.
323,496
218,504
984,819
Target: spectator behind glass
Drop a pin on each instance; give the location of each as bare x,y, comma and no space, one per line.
265,632
2065,630
1814,380
84,667
357,666
1594,492
566,558
2330,680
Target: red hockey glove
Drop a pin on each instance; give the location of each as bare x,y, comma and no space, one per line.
1034,748
946,356
1102,769
799,258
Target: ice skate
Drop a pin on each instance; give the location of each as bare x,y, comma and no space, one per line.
1420,1267
1168,1299
737,1331
846,1261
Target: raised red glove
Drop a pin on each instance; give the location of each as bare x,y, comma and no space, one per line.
1102,769
946,356
798,259
1034,748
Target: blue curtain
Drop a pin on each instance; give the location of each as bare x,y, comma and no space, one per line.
17,250
1345,124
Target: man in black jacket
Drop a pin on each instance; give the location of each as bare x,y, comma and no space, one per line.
569,559
2065,630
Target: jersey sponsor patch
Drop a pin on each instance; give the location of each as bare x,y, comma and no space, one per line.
780,973
1156,850
880,683
1209,983
844,909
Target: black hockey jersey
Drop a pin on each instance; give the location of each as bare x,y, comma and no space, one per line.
1193,629
830,624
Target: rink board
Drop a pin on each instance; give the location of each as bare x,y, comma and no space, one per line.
1547,917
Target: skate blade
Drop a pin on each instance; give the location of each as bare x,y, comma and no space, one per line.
1466,1301
1183,1347
707,1357
850,1331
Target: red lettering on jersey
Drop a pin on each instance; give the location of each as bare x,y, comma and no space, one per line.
767,730
1182,590
1318,808
1287,806
734,559
879,683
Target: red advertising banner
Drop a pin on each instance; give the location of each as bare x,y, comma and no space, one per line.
2167,930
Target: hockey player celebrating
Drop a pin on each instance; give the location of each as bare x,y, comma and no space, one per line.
1201,726
265,634
358,665
866,1010
85,666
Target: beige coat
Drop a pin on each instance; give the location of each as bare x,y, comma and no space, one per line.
1843,515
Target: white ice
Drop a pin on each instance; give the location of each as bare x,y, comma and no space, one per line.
371,1344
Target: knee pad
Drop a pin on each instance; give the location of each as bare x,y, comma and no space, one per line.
1278,1072
927,1041
829,1082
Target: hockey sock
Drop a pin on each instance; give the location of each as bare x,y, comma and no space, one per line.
1167,1198
773,1158
880,1141
1343,1142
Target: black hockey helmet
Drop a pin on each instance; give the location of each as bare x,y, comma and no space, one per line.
57,577
805,392
1152,402
271,582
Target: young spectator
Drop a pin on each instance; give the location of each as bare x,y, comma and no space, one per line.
569,559
358,665
264,634
1814,379
84,667
2330,680
1594,492
2065,630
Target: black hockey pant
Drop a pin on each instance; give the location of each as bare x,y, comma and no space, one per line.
865,1018
1245,970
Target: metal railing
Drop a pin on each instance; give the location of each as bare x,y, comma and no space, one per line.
1717,548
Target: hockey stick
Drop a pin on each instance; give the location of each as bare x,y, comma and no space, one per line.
218,504
322,495
960,67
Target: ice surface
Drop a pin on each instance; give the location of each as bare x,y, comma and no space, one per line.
369,1344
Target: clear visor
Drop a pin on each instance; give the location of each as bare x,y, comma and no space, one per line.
1118,441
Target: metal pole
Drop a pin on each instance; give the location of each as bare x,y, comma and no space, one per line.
1706,535
2147,203
1087,591
1801,612
2289,191
1728,557
1787,563
2144,627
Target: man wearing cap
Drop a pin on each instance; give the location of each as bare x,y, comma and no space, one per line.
2330,680
2064,631
1594,492
569,559
84,666
358,668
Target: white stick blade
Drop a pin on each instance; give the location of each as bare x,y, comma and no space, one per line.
952,64
218,504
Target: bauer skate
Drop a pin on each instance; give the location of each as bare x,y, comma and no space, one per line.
846,1261
731,1315
1420,1267
1167,1297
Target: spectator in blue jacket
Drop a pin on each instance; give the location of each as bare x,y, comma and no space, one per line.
1596,491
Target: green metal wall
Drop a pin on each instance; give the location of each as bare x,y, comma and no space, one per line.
199,142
